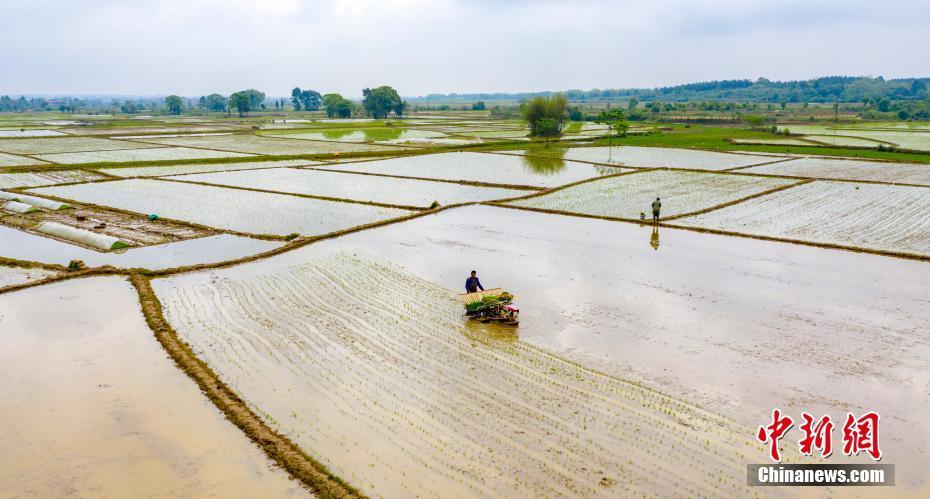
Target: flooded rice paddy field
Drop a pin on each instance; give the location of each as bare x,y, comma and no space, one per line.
11,276
67,145
92,406
223,208
914,138
374,371
660,157
39,179
355,349
373,134
737,326
13,160
880,217
484,168
22,245
629,195
845,169
254,144
31,132
154,153
164,171
370,188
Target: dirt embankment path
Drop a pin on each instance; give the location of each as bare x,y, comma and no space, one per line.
281,450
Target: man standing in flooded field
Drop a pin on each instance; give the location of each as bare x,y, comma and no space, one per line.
656,206
472,284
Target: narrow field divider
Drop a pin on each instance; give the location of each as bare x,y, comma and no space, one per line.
313,474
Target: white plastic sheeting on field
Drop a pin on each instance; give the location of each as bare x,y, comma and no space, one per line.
17,207
81,236
48,204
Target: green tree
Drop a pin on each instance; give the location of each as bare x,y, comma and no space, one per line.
246,100
215,102
337,106
174,103
545,115
631,104
344,108
295,98
478,106
309,99
380,101
614,119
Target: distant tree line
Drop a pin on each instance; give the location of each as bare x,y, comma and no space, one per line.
820,90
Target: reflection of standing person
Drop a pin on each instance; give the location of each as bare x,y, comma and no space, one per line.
654,240
656,206
472,284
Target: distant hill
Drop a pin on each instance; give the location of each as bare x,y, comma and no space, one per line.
826,89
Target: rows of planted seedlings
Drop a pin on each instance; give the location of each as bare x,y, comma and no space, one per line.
844,169
869,216
231,209
373,371
627,196
39,179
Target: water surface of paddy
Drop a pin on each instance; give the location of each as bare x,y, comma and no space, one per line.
92,406
736,325
26,246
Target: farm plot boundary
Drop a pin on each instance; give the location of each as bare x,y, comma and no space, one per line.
723,232
278,447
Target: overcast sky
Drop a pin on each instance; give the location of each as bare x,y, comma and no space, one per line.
195,47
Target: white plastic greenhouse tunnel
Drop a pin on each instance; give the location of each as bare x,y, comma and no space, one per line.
48,204
17,207
81,236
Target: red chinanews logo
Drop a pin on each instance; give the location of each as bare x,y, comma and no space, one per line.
859,435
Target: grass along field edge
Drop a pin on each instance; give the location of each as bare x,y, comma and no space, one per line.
277,447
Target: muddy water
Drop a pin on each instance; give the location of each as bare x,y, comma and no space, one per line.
92,406
10,276
738,326
26,246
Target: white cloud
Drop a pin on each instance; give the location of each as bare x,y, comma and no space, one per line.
195,47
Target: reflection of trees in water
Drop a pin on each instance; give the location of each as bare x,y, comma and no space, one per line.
547,162
382,133
337,134
607,170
